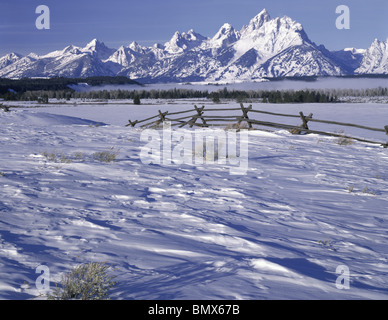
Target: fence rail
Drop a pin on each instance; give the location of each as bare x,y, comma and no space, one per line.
208,121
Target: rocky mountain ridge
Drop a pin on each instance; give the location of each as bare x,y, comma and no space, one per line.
266,47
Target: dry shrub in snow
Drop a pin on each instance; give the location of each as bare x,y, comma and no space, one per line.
85,282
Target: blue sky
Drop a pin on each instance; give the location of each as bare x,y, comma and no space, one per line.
119,22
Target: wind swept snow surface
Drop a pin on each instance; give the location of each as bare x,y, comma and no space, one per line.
306,206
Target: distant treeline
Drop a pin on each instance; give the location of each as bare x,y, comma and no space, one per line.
60,90
11,87
274,96
289,96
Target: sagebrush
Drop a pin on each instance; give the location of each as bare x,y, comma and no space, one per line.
89,281
106,156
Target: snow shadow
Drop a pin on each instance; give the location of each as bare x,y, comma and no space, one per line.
305,268
171,282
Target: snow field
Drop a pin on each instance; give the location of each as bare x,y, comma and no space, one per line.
305,206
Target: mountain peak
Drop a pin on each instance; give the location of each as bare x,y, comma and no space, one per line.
9,59
135,46
268,37
225,29
380,43
256,22
98,49
33,55
13,55
184,41
191,35
264,13
225,36
375,59
378,46
95,45
70,49
290,23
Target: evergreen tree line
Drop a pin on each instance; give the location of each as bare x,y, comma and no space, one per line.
56,83
266,96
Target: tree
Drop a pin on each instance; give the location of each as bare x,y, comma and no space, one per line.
215,97
136,100
43,99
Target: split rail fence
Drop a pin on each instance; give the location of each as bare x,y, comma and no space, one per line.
199,119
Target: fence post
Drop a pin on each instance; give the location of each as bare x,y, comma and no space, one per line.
304,124
305,120
386,131
131,123
162,116
245,115
199,115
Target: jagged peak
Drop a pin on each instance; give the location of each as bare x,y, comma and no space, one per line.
256,22
97,49
261,16
176,35
94,43
33,55
225,36
227,26
183,41
263,19
69,48
9,58
263,12
226,29
12,55
379,43
291,23
135,46
121,48
191,35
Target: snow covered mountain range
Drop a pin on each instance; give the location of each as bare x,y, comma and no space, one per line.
264,48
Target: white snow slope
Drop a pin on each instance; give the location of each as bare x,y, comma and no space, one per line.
305,206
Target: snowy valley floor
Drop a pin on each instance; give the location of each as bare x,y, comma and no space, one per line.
306,206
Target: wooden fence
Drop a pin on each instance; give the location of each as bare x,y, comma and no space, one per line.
190,119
